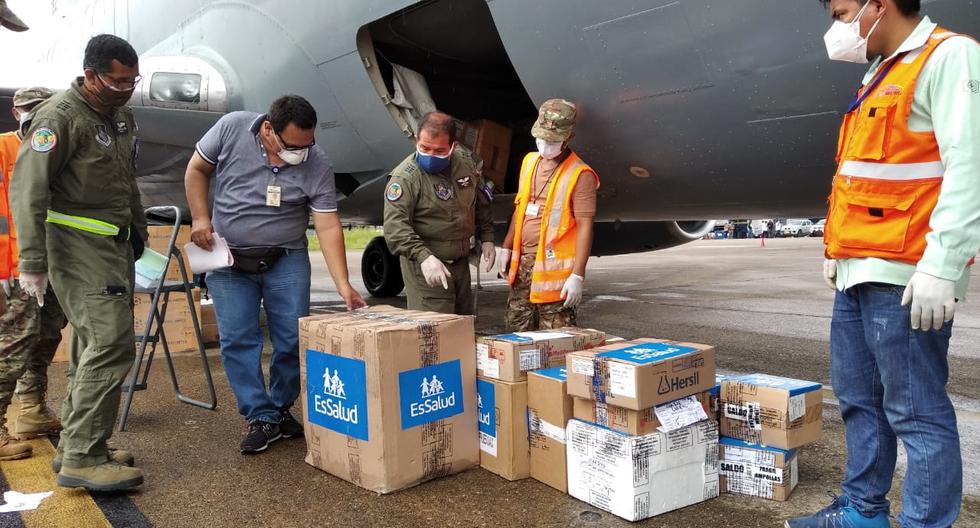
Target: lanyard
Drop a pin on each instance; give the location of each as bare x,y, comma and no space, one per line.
859,98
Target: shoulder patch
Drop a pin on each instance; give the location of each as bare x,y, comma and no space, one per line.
43,140
394,192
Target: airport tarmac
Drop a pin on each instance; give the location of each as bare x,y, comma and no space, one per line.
765,309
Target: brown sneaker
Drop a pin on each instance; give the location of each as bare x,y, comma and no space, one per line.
34,419
119,456
109,476
11,449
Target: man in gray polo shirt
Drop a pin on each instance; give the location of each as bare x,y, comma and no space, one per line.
269,176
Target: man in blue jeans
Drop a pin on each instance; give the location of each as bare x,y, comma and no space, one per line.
269,177
902,228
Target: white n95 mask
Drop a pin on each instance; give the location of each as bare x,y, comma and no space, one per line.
549,149
844,41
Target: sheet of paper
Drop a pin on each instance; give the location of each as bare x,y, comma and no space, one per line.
203,261
680,413
15,502
150,268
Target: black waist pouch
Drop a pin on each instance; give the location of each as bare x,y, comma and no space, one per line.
256,260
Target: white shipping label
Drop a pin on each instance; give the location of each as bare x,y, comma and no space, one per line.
492,369
797,407
530,360
583,367
751,456
768,474
731,468
482,354
543,336
622,379
794,474
550,430
680,413
488,444
736,412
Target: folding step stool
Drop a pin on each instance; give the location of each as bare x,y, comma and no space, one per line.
153,332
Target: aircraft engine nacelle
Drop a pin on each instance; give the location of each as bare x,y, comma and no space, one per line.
617,238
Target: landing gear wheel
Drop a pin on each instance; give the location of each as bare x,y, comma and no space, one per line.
380,270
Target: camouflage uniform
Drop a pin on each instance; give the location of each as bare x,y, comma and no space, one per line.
29,336
523,315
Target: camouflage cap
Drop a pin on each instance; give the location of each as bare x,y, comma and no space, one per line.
9,20
556,120
29,96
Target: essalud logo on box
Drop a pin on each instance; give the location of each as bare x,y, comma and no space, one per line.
334,404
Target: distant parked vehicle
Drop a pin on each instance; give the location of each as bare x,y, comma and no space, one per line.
797,227
818,228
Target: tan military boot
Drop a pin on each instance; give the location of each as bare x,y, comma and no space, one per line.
119,456
34,418
11,449
109,476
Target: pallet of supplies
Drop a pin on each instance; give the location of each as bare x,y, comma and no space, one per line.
770,410
757,470
642,373
510,357
638,477
389,396
549,407
502,408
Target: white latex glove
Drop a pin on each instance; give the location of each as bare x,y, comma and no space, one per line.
489,255
830,273
35,284
8,286
435,272
933,301
572,290
503,261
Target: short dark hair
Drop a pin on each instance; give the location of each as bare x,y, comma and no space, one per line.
906,7
291,109
437,123
101,50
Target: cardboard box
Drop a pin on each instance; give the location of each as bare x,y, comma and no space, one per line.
389,396
209,323
642,373
491,141
625,420
549,407
715,395
160,237
637,477
758,471
510,357
769,410
502,409
178,326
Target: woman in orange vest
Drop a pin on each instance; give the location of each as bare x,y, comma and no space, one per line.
547,245
902,228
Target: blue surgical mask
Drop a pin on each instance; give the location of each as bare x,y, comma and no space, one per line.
433,164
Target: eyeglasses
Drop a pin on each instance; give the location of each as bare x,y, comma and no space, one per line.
119,86
287,146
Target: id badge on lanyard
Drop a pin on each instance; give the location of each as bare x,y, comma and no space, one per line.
273,193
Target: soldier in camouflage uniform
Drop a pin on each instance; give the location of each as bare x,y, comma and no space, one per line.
29,333
436,206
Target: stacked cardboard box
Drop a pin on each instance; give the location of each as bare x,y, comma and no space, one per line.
510,357
178,326
642,442
389,396
549,407
491,142
766,419
502,408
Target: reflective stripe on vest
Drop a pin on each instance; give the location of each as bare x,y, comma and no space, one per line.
888,177
555,257
89,225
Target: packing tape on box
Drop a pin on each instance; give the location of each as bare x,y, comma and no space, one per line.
539,426
598,373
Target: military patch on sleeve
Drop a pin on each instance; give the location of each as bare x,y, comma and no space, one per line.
43,140
394,192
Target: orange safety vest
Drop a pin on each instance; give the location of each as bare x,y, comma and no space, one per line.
9,144
888,177
555,259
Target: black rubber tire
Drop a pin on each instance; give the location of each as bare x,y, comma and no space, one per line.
380,270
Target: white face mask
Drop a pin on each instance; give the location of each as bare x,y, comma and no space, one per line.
844,41
549,149
292,157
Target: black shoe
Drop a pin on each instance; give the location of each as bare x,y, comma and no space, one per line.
260,435
289,426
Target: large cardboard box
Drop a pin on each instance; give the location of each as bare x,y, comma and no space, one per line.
389,396
756,470
637,477
490,141
769,410
160,237
625,420
642,373
510,357
549,407
502,409
178,326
